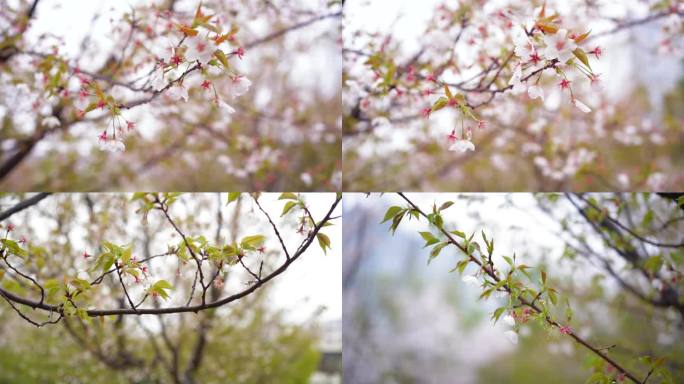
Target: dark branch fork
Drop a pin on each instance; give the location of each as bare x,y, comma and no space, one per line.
489,270
135,310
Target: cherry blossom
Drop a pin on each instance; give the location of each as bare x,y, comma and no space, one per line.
524,48
158,82
518,86
223,105
462,146
112,145
559,46
178,92
199,49
581,106
306,178
239,86
51,122
535,92
509,320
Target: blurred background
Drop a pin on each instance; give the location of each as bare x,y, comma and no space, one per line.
284,135
631,141
409,322
288,331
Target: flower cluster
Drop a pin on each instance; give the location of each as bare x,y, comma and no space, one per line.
204,46
541,44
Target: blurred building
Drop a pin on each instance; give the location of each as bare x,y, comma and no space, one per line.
330,365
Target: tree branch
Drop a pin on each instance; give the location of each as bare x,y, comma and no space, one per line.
195,308
33,200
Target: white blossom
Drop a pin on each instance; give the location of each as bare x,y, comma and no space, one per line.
199,50
239,86
462,146
509,320
524,48
178,92
224,106
158,82
306,178
112,145
535,92
51,122
581,106
518,86
559,46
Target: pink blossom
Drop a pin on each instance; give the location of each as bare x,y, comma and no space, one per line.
240,53
564,84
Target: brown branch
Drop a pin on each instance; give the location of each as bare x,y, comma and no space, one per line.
275,229
128,297
196,308
33,200
198,260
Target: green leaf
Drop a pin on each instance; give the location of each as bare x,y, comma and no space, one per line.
391,212
429,238
14,248
52,286
163,284
648,219
446,205
323,241
436,250
288,206
459,234
126,255
252,242
288,196
138,196
552,296
439,104
232,196
447,91
579,53
160,288
497,314
653,264
222,58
